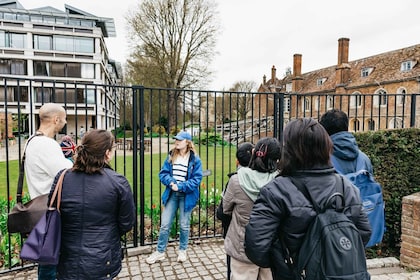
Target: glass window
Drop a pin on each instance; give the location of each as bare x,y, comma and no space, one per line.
355,100
41,68
36,18
43,95
73,70
18,67
17,40
57,69
4,66
2,38
90,96
42,42
9,16
63,43
88,70
84,45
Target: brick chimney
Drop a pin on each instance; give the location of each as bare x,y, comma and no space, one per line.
342,74
297,73
273,74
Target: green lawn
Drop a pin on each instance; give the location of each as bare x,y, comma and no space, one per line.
220,160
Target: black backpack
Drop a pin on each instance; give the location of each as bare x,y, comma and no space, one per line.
332,247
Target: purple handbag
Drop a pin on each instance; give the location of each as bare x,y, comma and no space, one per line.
44,241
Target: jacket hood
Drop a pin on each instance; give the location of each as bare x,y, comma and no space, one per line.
252,181
345,146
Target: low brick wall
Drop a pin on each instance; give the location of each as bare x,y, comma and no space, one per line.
410,231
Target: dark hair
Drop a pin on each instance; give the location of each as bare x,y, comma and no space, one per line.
244,153
334,121
90,154
306,145
266,154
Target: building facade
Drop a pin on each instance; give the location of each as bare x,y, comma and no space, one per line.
381,85
48,55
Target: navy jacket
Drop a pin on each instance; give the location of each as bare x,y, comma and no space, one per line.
96,210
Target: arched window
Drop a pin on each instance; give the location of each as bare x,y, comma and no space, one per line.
401,94
371,124
355,125
396,123
380,98
330,102
306,104
355,100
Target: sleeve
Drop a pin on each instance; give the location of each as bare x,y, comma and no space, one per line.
261,233
165,175
194,180
126,208
54,161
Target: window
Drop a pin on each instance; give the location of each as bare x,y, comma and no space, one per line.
289,87
406,66
330,102
12,40
306,104
371,124
380,98
84,45
287,104
64,69
355,100
13,66
90,96
43,42
88,70
321,81
401,93
396,123
355,125
63,43
14,94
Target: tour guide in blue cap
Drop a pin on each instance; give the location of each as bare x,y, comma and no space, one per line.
181,173
183,135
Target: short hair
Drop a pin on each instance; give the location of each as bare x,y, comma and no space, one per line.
266,155
306,145
90,154
334,121
244,152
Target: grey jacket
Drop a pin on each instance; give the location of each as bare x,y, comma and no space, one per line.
238,203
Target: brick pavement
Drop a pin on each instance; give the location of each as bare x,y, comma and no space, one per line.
207,261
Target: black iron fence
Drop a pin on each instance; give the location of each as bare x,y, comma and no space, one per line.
144,121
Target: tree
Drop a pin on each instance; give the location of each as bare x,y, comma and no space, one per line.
175,45
242,101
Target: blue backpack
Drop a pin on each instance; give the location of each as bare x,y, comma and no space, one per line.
372,198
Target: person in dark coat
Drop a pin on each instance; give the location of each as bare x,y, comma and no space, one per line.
97,208
346,152
282,210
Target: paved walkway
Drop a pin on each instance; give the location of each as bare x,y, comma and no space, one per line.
207,261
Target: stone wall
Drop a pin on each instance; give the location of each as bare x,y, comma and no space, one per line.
410,231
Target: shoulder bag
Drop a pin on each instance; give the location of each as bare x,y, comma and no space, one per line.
44,241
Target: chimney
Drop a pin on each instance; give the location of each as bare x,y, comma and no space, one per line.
343,50
264,79
273,74
342,71
297,73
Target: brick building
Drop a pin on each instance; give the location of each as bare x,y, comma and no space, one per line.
382,85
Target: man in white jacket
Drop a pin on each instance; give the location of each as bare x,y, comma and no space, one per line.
44,159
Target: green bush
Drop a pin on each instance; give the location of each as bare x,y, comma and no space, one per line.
395,155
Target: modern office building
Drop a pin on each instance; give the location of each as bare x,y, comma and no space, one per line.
49,55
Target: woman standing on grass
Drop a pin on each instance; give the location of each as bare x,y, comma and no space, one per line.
181,173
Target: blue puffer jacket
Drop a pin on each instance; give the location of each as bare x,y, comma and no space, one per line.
346,152
190,187
95,211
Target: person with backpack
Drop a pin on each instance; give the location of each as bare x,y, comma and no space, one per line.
243,156
346,152
238,200
350,161
287,206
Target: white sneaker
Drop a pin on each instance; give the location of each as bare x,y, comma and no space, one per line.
156,256
182,256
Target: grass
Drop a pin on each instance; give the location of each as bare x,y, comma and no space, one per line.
220,160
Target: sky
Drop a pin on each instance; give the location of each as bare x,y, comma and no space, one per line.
255,35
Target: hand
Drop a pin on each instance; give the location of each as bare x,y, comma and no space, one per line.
174,187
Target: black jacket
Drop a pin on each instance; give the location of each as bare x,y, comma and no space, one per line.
282,210
95,211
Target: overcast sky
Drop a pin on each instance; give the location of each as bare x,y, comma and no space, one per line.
256,35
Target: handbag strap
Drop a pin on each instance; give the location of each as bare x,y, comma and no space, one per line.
22,169
57,191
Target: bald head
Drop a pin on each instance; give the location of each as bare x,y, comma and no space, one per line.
49,111
52,119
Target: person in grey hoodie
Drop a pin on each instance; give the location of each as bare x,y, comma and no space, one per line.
238,200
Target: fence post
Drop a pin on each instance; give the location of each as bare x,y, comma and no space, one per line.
413,110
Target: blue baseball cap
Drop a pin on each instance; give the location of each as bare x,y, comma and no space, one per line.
182,135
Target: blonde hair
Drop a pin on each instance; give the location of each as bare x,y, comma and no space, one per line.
175,152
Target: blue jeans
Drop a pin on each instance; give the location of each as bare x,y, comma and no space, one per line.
46,272
176,201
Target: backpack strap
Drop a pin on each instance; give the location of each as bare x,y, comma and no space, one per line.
302,188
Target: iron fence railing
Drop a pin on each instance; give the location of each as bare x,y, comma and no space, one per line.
144,120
